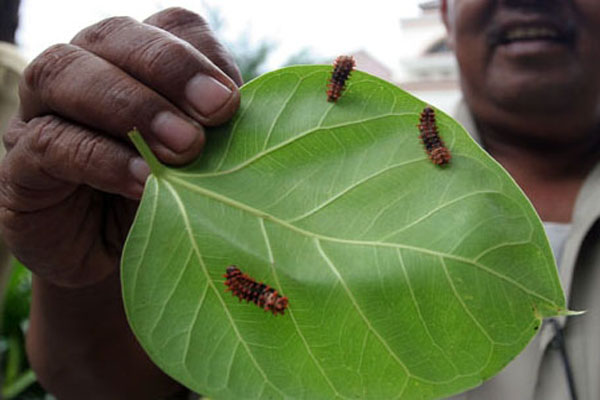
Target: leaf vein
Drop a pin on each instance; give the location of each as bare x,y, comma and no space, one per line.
170,294
500,246
253,211
231,135
279,113
292,188
186,351
439,208
462,303
420,315
359,311
147,241
285,143
210,283
291,313
475,227
230,363
350,188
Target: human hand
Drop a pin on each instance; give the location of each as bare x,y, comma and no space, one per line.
71,180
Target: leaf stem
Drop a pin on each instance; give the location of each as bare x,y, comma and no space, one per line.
19,385
13,362
140,144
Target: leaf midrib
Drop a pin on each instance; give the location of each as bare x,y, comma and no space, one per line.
177,180
317,238
241,341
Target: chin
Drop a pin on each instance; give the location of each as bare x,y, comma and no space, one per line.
543,101
545,91
540,112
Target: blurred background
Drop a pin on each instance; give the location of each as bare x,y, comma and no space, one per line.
401,41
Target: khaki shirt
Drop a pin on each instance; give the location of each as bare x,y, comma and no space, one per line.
538,373
11,67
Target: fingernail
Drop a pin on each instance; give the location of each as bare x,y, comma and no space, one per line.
206,94
139,169
174,132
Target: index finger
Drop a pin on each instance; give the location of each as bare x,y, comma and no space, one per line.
70,82
194,29
166,64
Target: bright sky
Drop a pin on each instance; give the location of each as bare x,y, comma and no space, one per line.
327,27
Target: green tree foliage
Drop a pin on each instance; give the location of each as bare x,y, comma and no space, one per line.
253,57
18,381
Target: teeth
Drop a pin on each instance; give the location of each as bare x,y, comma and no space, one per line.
531,34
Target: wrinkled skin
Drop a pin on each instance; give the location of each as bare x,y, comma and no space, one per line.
68,193
71,182
536,102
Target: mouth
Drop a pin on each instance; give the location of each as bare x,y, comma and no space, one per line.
532,32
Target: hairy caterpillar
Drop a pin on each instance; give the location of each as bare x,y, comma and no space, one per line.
430,137
246,288
342,67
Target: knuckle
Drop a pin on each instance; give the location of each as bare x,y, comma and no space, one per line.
122,96
163,55
195,30
26,174
100,31
177,18
56,144
43,134
85,149
13,133
11,219
219,55
15,196
49,65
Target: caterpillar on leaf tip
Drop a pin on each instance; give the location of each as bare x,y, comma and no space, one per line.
342,68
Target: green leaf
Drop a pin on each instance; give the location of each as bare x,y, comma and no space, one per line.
405,280
17,299
18,385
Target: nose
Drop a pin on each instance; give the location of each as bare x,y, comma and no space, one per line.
544,4
517,3
523,2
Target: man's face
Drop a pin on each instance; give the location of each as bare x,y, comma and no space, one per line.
534,59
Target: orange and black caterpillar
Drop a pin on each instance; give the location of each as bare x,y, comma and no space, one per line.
342,67
430,137
246,288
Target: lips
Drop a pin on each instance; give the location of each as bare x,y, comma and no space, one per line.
531,33
527,31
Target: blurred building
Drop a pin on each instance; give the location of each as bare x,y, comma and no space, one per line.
366,62
428,69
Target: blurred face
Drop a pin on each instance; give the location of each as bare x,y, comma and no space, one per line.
531,66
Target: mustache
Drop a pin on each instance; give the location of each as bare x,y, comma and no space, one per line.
557,15
546,6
